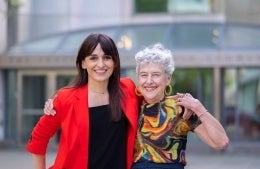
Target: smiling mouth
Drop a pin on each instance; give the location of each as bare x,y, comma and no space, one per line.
149,89
101,71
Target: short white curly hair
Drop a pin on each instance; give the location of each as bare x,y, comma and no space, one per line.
155,54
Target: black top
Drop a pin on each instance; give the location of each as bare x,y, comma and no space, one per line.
107,146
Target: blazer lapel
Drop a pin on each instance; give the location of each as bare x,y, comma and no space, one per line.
82,116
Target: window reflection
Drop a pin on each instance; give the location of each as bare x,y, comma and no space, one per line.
242,103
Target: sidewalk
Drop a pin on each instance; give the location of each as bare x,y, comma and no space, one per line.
246,158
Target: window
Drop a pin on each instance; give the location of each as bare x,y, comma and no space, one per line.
173,6
150,6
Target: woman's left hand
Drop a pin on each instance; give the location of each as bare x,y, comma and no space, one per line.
48,108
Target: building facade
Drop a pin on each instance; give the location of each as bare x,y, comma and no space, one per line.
217,54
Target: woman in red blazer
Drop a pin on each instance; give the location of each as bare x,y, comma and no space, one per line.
97,114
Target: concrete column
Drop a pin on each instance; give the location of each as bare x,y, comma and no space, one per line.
217,90
3,40
51,85
3,25
1,107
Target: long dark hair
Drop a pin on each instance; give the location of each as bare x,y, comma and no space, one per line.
109,48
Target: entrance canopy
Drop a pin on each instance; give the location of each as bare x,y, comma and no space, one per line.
130,38
184,39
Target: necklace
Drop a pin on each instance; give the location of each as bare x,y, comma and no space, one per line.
98,92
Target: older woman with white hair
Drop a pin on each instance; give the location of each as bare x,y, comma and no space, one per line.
164,120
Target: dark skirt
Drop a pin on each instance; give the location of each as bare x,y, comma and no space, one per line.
149,165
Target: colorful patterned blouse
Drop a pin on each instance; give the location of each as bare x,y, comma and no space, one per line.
162,133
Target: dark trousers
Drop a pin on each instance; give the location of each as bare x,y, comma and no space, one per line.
149,165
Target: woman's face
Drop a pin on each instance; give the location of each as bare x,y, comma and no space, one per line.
152,81
98,65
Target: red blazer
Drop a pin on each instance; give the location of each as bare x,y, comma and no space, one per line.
71,105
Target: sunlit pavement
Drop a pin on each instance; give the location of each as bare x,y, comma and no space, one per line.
246,157
11,158
223,161
237,156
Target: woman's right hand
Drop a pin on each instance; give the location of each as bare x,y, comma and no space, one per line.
48,108
187,113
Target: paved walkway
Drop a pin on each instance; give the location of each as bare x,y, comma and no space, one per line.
233,158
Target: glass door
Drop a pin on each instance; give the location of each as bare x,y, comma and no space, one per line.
34,88
33,98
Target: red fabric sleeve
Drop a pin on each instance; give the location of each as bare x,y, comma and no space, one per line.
45,128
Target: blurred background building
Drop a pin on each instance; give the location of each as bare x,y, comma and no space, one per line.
215,43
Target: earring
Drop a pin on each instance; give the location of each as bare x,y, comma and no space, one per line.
137,92
168,90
